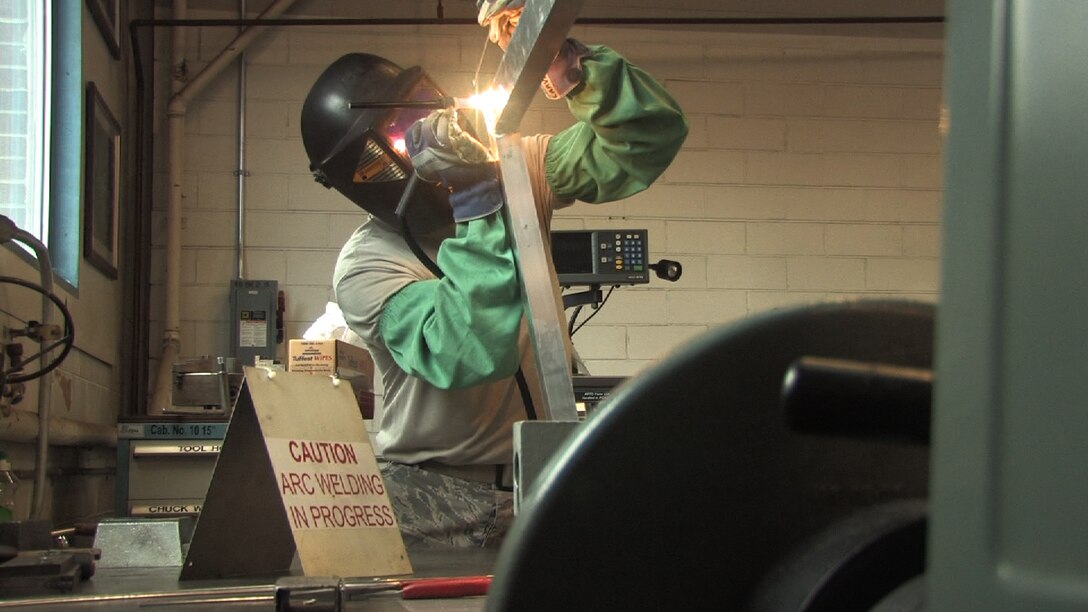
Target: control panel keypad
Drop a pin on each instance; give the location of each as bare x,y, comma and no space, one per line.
625,251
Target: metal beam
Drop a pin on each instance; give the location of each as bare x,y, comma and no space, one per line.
545,317
541,31
543,27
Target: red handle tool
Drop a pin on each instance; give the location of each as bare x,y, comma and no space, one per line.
437,588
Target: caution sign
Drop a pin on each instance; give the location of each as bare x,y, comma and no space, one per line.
296,475
324,486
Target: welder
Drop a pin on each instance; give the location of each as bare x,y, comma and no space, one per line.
433,291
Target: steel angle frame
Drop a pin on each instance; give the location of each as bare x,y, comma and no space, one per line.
543,27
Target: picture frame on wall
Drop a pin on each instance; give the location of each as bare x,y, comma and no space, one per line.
107,16
101,184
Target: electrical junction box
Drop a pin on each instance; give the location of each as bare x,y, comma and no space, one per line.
253,306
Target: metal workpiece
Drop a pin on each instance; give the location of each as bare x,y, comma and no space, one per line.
536,41
540,34
143,542
543,309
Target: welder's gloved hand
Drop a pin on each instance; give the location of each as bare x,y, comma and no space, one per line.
443,153
501,18
565,72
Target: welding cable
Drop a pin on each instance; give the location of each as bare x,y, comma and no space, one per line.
417,250
406,230
573,319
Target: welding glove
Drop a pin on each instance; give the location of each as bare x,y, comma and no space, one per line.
565,72
501,18
443,153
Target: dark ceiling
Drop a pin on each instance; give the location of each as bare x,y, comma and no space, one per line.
706,10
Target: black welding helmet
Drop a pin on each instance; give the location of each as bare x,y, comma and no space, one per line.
360,151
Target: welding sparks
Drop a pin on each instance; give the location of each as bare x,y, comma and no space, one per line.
490,103
489,100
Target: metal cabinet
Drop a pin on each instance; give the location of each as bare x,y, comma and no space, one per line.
165,467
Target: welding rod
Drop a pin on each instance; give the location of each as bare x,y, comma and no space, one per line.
436,103
447,102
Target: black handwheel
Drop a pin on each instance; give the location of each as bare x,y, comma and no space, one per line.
688,485
65,342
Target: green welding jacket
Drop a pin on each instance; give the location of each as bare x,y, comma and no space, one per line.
460,330
629,130
463,330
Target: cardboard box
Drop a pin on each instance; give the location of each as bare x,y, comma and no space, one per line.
336,357
329,357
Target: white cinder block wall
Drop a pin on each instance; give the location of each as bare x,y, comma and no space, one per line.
812,173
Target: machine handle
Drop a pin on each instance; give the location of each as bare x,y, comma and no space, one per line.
858,399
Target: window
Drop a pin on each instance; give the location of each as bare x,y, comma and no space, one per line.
23,110
41,78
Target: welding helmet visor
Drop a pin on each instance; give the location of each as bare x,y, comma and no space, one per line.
384,154
360,151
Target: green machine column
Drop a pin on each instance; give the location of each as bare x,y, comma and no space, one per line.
1008,527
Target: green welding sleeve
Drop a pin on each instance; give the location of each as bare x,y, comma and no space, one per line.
460,330
629,130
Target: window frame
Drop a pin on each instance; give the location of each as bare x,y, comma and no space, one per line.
54,190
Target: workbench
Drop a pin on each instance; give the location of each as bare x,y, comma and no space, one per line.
118,589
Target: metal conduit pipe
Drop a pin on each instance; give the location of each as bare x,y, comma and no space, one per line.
175,131
176,111
241,171
22,426
45,389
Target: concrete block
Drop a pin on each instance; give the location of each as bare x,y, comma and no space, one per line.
785,239
826,273
858,239
746,272
704,237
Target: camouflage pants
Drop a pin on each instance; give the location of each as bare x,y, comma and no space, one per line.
438,510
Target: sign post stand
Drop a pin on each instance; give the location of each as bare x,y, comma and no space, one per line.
296,473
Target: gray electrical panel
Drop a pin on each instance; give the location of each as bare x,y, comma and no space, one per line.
253,324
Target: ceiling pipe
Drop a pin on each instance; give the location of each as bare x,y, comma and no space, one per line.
175,112
457,21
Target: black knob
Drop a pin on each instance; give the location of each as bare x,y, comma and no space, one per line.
668,269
